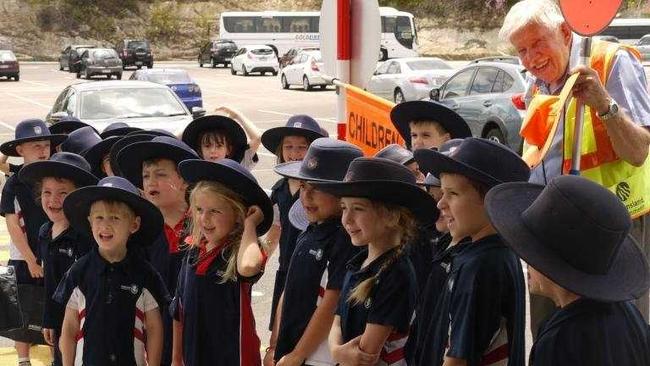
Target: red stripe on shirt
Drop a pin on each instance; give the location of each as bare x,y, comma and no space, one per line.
392,357
249,343
496,355
137,334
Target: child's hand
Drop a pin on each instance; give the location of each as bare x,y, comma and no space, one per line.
350,354
268,358
228,112
35,270
48,334
290,360
254,216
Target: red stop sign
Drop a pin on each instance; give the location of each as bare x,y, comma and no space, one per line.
589,17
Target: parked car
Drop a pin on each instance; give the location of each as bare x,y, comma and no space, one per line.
507,59
9,66
250,59
410,78
643,45
612,39
217,52
177,80
100,61
304,70
71,56
489,96
290,55
135,52
139,103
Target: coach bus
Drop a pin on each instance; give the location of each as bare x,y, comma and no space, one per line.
628,30
283,30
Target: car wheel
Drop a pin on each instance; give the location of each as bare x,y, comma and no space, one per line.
305,84
383,55
150,65
496,135
109,76
139,67
244,71
60,67
16,77
86,75
78,74
118,76
232,70
398,97
200,63
283,81
274,73
214,63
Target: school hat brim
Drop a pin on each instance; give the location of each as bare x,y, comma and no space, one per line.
65,127
410,196
96,154
272,137
131,157
404,113
196,170
298,216
121,131
121,144
293,170
233,129
76,207
626,280
438,163
35,172
9,148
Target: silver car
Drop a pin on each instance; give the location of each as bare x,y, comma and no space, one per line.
643,45
100,61
406,79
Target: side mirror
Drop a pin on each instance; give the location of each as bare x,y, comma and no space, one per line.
198,112
56,117
434,94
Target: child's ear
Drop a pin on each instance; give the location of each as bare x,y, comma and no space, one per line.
19,149
135,225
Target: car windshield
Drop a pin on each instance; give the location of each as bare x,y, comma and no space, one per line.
101,54
7,56
428,65
137,44
169,78
262,51
129,103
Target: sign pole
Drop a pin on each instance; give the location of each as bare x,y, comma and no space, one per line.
585,53
343,12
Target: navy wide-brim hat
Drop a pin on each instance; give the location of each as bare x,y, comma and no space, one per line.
298,125
326,160
79,141
30,130
234,176
60,165
76,207
236,134
122,143
418,110
95,155
131,157
481,160
423,156
383,180
66,125
118,129
575,232
396,153
153,131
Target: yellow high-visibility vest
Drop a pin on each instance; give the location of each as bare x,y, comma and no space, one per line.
598,161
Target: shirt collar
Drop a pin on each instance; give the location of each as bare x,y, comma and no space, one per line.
325,228
102,266
356,262
580,306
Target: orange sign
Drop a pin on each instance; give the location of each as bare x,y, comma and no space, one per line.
368,124
589,17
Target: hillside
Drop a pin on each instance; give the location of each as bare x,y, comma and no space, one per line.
39,29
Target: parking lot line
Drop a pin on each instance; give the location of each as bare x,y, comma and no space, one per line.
6,125
28,100
35,83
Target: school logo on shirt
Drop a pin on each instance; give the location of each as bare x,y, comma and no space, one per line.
318,254
132,288
66,251
368,303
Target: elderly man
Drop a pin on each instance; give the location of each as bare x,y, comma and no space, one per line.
617,117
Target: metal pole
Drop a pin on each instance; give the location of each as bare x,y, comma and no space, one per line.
585,52
343,12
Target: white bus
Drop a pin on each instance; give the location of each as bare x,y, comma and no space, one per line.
628,30
283,30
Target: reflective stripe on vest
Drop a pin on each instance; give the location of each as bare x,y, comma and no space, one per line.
598,161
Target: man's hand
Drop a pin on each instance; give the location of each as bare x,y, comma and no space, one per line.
589,90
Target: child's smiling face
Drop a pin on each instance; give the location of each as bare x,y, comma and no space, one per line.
214,146
364,222
53,192
112,223
214,215
319,206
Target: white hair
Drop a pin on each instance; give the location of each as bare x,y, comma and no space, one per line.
543,12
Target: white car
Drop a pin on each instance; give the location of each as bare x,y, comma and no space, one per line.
410,78
304,70
250,59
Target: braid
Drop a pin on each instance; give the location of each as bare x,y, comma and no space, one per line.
361,292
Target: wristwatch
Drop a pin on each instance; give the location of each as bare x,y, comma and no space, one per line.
611,112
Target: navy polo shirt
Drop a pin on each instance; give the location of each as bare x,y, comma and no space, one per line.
421,252
18,198
594,333
391,301
217,318
318,264
281,196
479,315
58,256
111,300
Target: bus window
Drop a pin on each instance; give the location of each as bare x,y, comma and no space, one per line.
388,24
269,25
240,24
299,24
404,31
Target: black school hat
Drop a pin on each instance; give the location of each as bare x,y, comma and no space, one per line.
67,124
60,165
122,143
326,160
154,131
118,129
96,154
384,180
418,110
236,134
27,131
396,153
131,157
76,207
423,157
235,177
481,160
79,141
575,232
298,125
